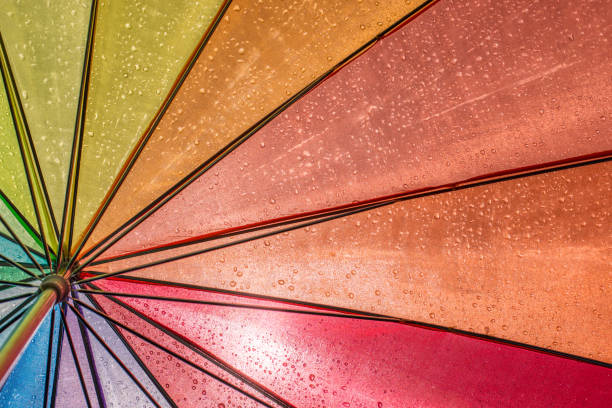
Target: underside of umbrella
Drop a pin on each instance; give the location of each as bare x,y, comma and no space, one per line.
270,203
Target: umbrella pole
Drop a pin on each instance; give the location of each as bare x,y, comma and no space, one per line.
52,290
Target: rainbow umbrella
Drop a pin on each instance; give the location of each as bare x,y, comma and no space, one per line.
305,204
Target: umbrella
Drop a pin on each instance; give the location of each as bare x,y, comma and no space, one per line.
305,204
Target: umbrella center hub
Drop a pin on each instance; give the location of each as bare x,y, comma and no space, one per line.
58,283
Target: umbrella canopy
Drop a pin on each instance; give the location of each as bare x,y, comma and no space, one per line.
305,204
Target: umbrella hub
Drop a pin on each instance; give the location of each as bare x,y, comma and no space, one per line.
59,284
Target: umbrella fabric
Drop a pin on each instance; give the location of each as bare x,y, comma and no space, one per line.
15,227
484,260
343,143
305,204
46,44
152,50
27,383
18,298
256,60
140,50
108,383
435,103
13,179
341,361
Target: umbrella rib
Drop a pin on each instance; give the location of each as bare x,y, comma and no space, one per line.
93,370
24,264
203,353
366,206
140,280
18,308
153,125
221,246
58,360
21,244
306,224
295,222
8,299
77,140
507,342
237,305
465,333
109,350
49,352
75,357
20,267
138,360
23,221
26,146
134,221
8,324
174,354
4,284
381,317
18,283
250,228
45,245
